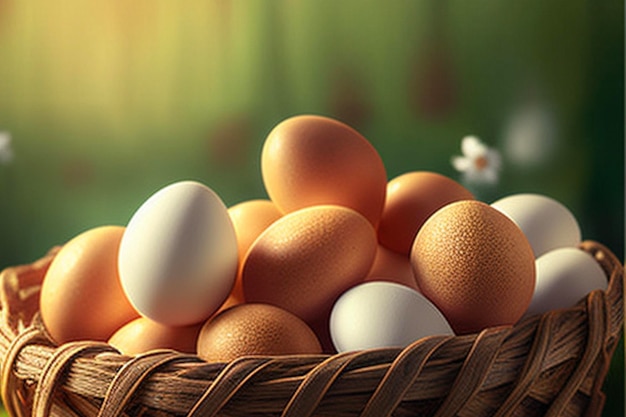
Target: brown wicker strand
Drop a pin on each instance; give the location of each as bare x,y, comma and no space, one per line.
317,382
532,366
129,379
10,386
595,340
474,370
52,374
401,375
230,380
315,385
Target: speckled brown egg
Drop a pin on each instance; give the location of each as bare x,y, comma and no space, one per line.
255,329
313,160
475,265
307,258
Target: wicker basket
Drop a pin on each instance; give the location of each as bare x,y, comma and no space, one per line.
553,364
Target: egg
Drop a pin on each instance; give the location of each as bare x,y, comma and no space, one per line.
178,256
143,335
255,329
547,223
393,267
382,314
249,218
312,160
411,198
81,296
475,265
564,277
307,258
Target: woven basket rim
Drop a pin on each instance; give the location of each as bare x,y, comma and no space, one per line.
544,365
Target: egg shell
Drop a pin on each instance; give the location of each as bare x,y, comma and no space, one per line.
81,296
255,329
312,160
547,223
250,218
564,277
411,198
475,265
143,335
382,314
307,258
178,256
393,267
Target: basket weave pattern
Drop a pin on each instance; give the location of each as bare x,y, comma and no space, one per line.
552,365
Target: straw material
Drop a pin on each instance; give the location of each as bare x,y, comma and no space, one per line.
552,365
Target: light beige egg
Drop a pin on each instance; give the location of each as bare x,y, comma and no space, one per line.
564,277
178,256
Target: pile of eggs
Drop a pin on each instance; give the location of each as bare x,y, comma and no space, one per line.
338,258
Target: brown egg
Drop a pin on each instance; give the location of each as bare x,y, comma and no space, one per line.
314,160
255,329
412,198
143,335
250,218
475,265
307,258
81,295
393,267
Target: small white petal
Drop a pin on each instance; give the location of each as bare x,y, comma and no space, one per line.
461,163
472,147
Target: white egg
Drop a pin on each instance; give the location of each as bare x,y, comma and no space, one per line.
546,223
564,277
178,256
383,314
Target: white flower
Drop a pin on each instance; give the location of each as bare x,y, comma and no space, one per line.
6,152
479,163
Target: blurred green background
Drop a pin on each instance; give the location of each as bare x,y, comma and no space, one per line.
106,102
